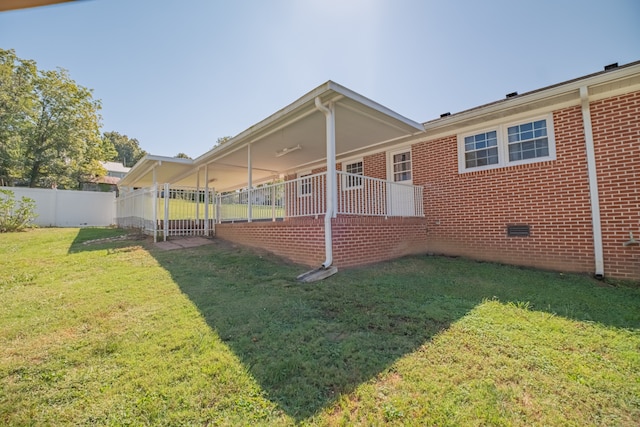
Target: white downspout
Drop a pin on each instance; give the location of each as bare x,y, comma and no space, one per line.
332,193
593,183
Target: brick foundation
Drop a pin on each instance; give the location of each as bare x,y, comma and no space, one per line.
356,240
366,240
300,240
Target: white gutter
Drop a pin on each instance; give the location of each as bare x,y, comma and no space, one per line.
332,194
593,182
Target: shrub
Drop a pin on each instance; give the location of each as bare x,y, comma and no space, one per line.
15,216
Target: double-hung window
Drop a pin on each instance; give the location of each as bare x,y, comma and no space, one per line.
305,184
525,141
528,141
401,164
481,149
353,168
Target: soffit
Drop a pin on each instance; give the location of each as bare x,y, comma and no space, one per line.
359,123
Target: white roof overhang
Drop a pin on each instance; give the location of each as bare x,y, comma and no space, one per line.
359,125
603,84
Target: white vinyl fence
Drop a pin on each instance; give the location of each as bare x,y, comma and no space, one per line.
68,208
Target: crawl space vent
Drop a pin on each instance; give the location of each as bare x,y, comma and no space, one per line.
518,230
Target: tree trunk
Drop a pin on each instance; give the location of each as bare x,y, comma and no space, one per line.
34,174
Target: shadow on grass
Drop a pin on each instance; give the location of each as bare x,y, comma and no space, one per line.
90,238
306,344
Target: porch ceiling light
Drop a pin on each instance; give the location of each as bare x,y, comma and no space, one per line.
288,150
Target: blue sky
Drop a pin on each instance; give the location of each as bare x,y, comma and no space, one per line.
177,75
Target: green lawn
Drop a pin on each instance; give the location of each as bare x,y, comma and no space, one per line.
122,333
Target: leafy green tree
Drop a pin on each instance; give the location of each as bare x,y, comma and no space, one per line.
127,150
17,77
51,134
221,140
182,156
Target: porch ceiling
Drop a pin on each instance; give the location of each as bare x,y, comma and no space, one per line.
359,122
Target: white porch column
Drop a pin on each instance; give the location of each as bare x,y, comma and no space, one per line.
332,188
198,197
249,183
154,207
273,202
166,197
206,200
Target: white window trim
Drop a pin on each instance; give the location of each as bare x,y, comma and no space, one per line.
302,175
390,172
503,144
344,164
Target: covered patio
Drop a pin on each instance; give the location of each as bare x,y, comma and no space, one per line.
278,184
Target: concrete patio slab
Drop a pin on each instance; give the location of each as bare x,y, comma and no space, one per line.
183,242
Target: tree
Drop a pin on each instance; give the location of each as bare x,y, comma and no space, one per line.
127,150
181,156
17,78
221,140
51,133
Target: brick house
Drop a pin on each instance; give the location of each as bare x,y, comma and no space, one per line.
548,179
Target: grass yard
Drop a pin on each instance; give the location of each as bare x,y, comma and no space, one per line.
122,333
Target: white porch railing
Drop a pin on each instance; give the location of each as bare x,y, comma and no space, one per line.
299,197
366,196
186,211
168,211
189,211
306,196
135,209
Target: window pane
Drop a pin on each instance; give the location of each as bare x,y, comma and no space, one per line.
355,168
403,157
478,151
402,166
527,143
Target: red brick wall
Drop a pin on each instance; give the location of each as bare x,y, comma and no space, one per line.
616,134
366,240
467,214
375,165
357,240
300,240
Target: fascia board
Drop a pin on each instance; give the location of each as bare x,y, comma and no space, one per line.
145,165
348,93
300,108
247,136
567,93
